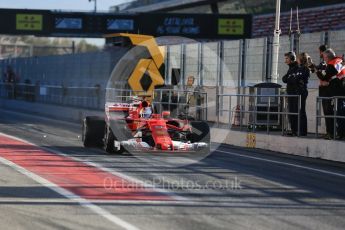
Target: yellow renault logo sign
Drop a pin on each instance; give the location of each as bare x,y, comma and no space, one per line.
145,66
148,71
29,22
149,68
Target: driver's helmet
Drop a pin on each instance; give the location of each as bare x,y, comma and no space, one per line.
146,110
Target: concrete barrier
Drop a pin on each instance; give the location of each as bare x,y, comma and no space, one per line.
301,146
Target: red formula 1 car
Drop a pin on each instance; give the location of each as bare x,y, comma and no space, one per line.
133,126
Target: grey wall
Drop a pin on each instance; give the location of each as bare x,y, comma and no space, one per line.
85,69
255,60
231,63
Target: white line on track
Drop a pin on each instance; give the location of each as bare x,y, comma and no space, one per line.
284,163
118,174
121,175
69,195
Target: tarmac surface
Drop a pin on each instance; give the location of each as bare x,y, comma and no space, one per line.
48,180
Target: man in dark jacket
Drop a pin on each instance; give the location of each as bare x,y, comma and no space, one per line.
295,85
290,60
302,79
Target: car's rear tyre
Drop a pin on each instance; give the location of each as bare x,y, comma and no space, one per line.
109,139
93,131
201,133
174,134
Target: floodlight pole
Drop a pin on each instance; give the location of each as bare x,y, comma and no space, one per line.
95,10
275,55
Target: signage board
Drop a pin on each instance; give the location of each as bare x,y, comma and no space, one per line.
68,23
120,24
208,26
89,24
33,22
231,26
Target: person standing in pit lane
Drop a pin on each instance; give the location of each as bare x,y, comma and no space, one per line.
302,78
290,60
334,75
323,91
297,80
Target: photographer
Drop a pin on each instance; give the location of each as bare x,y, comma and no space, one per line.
334,75
324,91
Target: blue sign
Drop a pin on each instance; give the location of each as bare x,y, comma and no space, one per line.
69,23
120,24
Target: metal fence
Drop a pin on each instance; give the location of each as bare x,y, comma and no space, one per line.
243,111
252,111
336,115
82,97
182,103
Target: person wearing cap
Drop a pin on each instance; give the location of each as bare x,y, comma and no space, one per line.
334,75
296,80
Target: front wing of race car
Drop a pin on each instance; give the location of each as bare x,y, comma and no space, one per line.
136,145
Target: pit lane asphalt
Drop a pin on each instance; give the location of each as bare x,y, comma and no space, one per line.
266,190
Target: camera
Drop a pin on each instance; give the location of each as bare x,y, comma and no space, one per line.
313,68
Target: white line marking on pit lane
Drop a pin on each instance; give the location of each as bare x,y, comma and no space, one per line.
134,180
118,174
283,163
69,195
